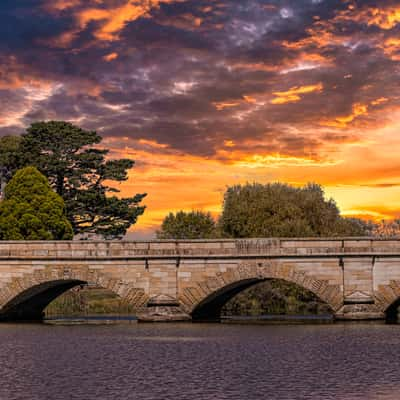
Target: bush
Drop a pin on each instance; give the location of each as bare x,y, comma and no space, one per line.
31,210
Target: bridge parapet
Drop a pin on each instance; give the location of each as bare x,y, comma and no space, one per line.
272,248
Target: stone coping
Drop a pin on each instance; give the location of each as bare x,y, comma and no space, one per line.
239,248
258,239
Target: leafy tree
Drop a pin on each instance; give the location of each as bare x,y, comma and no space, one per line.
187,225
10,159
280,210
355,227
79,172
31,210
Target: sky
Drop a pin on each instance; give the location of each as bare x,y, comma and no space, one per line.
204,94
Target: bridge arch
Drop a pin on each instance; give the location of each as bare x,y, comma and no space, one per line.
387,299
205,299
25,297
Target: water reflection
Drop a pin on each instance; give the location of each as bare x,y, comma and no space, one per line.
196,361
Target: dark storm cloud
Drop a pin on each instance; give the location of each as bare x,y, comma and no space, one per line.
193,74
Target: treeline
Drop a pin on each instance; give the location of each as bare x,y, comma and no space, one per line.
270,210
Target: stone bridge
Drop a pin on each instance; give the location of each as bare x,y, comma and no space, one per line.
359,278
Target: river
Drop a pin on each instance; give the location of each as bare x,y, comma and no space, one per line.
199,361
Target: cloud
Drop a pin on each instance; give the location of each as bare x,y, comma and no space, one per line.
110,56
293,94
205,93
385,17
109,19
342,121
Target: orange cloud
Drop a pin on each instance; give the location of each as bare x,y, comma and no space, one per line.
111,19
279,160
320,35
246,99
247,66
379,101
384,18
114,19
342,122
391,47
249,99
229,143
152,143
294,94
60,5
111,56
221,105
13,75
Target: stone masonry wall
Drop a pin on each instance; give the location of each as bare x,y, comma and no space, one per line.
344,272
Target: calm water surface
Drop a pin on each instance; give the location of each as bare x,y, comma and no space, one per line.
195,361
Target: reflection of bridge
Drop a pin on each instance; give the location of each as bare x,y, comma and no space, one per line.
358,278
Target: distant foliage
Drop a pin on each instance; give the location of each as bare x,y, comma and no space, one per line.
275,297
281,210
31,210
187,225
387,229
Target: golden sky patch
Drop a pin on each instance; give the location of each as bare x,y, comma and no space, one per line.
384,18
364,192
294,94
343,121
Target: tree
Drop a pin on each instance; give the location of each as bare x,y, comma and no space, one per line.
281,210
31,210
187,225
79,172
10,159
355,227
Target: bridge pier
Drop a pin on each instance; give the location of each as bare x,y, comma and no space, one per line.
358,312
162,308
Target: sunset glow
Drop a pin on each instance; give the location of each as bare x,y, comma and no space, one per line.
207,93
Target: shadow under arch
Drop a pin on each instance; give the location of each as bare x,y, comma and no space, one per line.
387,300
392,312
204,300
210,308
25,297
29,305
